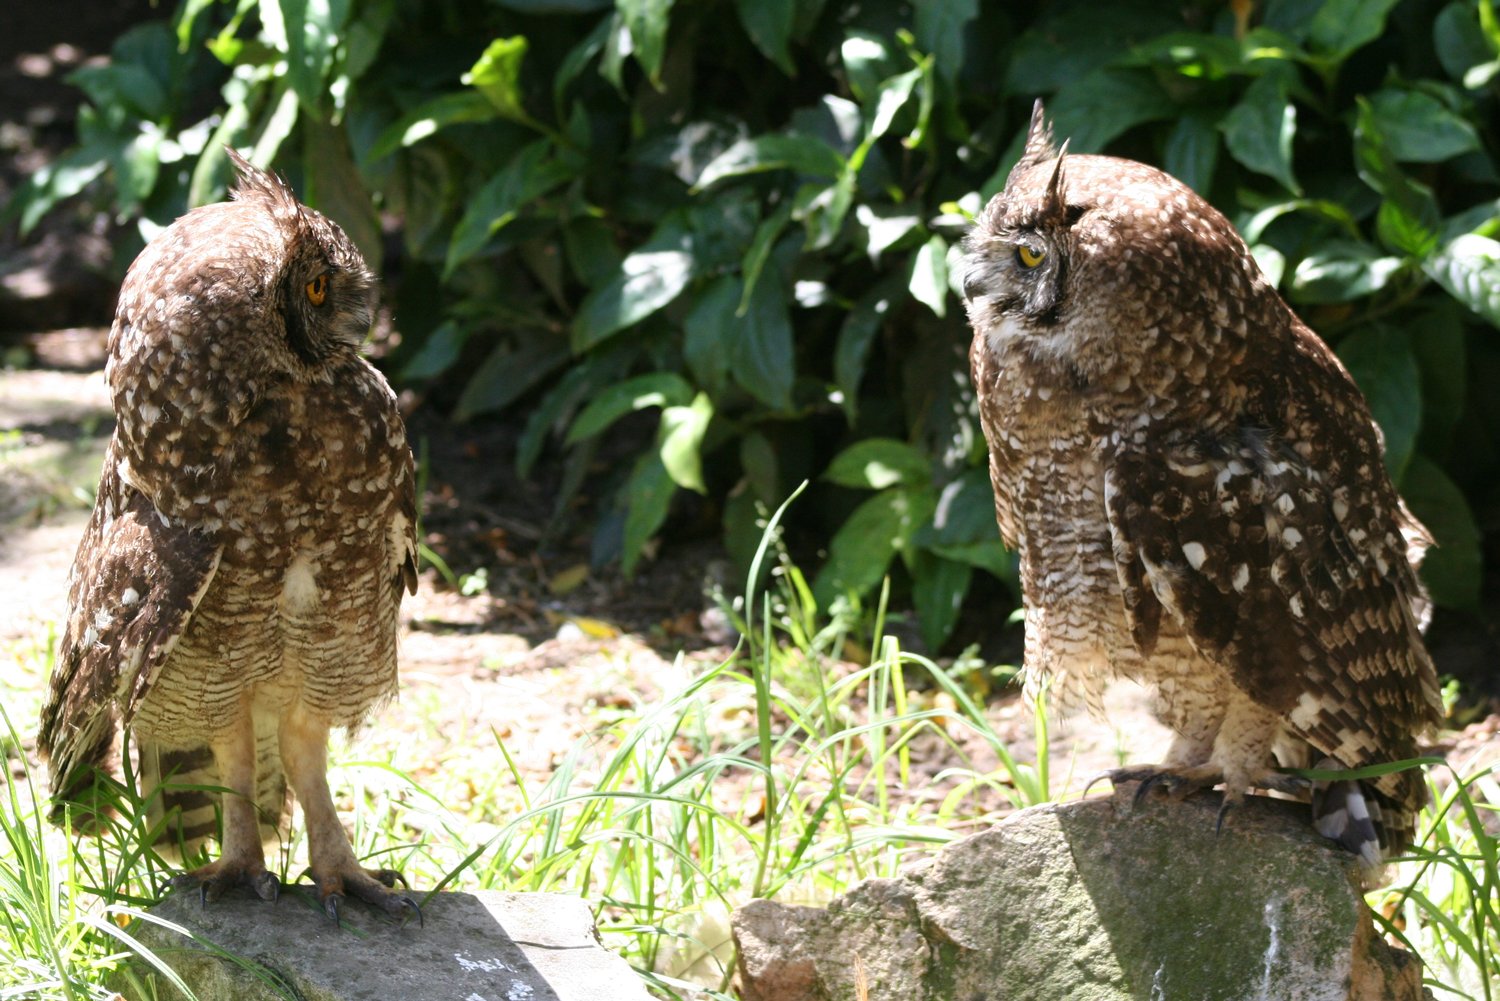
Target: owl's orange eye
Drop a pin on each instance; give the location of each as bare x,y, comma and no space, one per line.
317,289
1029,258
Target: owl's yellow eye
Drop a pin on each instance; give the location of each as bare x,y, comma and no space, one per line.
1029,258
317,289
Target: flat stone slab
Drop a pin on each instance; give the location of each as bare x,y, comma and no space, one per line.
485,946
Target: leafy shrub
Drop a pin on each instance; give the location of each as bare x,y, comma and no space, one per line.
741,219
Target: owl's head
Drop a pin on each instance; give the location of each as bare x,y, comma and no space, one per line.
1085,264
317,290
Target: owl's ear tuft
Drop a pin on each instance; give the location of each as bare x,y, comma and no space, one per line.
261,185
1039,146
1056,205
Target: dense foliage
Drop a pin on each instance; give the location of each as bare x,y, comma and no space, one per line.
740,219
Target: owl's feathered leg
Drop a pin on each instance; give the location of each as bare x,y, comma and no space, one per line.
1238,756
335,870
242,861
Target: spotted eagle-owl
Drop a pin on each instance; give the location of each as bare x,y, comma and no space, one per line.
1195,489
236,590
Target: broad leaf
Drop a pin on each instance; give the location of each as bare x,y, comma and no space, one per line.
941,28
853,347
654,389
1341,271
681,438
1418,127
1469,268
928,280
649,492
508,373
531,173
1381,360
1258,131
497,75
877,463
1192,151
1453,569
647,21
760,345
938,589
647,280
1341,26
769,25
861,550
801,154
430,117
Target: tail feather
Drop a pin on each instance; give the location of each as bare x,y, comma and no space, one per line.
183,792
1363,818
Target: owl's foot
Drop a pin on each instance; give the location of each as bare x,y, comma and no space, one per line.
1182,782
373,886
213,879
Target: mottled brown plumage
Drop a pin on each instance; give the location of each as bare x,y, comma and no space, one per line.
1196,490
237,587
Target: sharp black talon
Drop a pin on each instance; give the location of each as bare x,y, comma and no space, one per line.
1224,809
1147,784
1101,777
331,907
411,904
203,895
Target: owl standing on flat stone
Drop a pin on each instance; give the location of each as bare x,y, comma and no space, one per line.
1196,491
235,595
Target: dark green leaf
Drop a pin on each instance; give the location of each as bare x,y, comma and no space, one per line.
555,6
938,589
762,468
438,351
1459,40
1418,127
1192,151
531,173
769,25
1469,268
311,32
428,118
1258,131
334,187
647,22
861,549
855,336
760,345
867,61
1381,360
1439,342
1407,219
941,28
774,151
654,389
507,373
877,463
1453,570
649,493
647,280
1341,26
1341,271
1089,112
122,85
707,327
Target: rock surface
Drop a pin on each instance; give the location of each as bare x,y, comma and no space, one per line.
485,946
1101,900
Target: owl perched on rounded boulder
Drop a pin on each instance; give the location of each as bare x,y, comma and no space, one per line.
1196,491
235,595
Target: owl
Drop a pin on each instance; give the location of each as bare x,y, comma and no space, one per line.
234,597
1195,489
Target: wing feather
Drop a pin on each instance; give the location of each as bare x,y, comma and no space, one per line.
1303,593
135,582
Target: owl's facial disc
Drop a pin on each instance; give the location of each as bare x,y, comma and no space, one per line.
327,308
